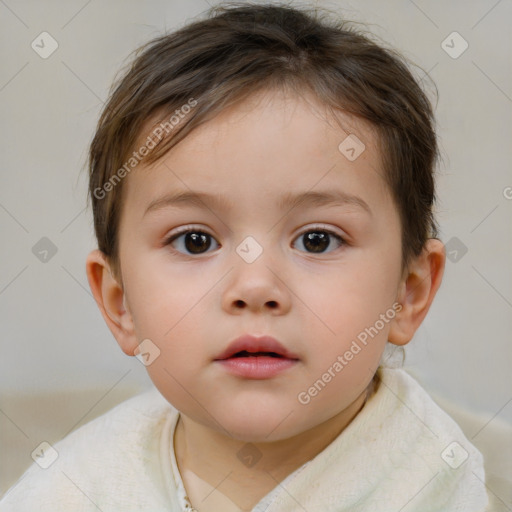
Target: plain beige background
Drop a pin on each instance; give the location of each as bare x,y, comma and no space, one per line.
55,344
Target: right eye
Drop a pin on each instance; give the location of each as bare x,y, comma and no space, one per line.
193,240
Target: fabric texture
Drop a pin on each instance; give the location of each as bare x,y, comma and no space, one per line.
402,452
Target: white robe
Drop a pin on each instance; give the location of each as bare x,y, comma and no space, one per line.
400,453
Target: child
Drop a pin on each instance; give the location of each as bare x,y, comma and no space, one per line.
262,185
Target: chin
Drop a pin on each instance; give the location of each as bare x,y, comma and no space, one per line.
260,427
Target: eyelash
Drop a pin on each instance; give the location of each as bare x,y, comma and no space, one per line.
190,229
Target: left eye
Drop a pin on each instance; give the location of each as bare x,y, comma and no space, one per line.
318,240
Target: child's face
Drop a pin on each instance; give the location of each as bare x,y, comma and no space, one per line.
316,304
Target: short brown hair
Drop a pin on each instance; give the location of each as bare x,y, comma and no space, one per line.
238,50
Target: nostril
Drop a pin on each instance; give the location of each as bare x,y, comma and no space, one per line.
271,304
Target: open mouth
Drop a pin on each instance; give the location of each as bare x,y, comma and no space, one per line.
244,353
256,365
251,357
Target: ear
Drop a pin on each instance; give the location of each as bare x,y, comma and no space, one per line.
111,300
417,291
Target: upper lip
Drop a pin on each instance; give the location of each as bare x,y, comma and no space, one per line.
250,343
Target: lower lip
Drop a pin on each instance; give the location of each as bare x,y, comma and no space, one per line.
257,367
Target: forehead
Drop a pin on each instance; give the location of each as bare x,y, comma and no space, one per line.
269,144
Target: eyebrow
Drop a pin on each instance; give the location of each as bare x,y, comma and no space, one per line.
288,201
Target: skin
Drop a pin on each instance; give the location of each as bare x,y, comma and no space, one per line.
191,306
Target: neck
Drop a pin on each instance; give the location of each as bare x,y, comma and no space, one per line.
211,455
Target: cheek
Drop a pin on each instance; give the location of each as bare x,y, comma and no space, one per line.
344,316
347,300
160,297
178,329
174,311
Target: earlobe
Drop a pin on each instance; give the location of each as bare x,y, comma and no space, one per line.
417,291
111,300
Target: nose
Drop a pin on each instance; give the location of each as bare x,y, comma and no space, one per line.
256,287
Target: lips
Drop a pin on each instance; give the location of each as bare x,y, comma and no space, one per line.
252,346
256,358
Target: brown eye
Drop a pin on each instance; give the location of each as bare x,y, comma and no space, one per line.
317,241
191,242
